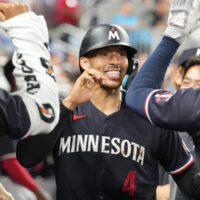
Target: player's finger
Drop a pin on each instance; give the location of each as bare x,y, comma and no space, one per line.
2,5
2,189
13,9
25,7
4,195
86,77
95,74
89,78
2,17
98,77
88,81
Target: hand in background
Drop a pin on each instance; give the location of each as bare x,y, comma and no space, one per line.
42,195
4,195
9,10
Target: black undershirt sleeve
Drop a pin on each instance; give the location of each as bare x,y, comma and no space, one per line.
189,181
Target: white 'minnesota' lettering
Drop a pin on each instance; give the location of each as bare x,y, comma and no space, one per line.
136,147
102,144
93,142
81,143
113,35
126,148
115,143
140,158
73,143
64,145
105,143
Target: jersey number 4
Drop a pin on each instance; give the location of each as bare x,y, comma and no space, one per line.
129,183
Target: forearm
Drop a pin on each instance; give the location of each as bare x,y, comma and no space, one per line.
20,174
189,182
151,75
182,19
33,71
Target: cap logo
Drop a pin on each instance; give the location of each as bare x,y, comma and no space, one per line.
198,52
113,34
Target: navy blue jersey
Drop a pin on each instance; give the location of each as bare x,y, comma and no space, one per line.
170,110
114,157
179,111
14,117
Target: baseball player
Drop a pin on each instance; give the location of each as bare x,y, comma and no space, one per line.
34,108
103,149
190,65
179,111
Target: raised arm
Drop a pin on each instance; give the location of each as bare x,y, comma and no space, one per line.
34,107
145,95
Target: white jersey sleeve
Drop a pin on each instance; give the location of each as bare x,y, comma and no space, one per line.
33,72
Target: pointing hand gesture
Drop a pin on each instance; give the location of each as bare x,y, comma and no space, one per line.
84,88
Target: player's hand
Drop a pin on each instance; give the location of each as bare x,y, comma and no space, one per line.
4,195
42,195
84,88
183,16
9,10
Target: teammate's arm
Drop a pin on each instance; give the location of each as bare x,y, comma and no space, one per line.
185,171
34,108
189,181
143,94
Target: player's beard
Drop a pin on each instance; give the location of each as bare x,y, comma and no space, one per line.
111,86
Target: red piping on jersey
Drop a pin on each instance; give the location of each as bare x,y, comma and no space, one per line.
146,104
183,168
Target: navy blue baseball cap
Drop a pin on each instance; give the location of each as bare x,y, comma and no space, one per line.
187,54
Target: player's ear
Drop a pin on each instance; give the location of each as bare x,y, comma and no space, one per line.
84,63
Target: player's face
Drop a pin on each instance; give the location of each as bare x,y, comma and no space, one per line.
192,78
112,62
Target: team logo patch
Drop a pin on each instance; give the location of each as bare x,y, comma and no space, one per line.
113,34
49,69
47,113
163,97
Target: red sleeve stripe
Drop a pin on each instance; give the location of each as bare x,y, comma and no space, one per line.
184,167
146,105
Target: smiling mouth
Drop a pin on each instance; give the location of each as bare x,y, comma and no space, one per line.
113,74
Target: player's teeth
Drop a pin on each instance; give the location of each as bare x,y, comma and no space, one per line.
113,74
